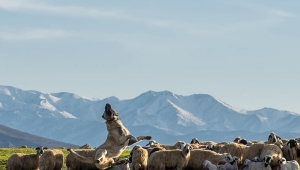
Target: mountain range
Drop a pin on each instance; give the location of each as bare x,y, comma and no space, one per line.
166,116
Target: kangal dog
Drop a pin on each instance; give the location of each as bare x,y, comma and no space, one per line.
117,140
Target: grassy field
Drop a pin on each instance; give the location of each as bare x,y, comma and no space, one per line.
5,153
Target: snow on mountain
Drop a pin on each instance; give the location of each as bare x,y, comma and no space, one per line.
166,116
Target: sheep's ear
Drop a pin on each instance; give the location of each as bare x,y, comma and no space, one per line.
45,148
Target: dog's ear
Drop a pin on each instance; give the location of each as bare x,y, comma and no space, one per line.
107,107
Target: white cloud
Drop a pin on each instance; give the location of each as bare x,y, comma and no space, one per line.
33,34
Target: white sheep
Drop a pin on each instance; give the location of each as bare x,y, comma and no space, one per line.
209,165
25,161
232,165
172,159
51,160
256,165
199,155
288,165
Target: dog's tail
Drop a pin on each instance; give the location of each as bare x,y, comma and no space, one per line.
81,158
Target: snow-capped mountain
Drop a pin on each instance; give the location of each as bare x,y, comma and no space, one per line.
167,117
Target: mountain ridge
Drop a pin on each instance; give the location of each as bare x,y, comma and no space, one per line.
68,117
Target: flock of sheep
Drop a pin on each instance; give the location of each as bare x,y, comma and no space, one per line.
275,153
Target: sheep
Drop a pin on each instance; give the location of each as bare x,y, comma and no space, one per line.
240,140
255,159
177,145
292,150
254,150
232,165
221,167
256,165
274,152
139,158
209,165
273,138
86,146
73,164
288,165
125,165
51,160
199,155
171,159
25,161
238,150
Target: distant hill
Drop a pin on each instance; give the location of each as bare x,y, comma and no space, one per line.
10,138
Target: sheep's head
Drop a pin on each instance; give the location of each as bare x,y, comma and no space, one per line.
194,140
109,113
227,157
247,162
267,160
151,142
210,147
40,150
243,141
282,161
187,148
180,144
273,138
292,143
237,139
256,159
205,163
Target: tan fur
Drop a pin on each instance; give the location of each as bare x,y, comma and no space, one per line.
19,161
199,155
167,147
169,159
117,140
73,164
274,151
254,150
51,160
139,158
235,149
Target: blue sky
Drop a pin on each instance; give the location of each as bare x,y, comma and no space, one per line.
245,53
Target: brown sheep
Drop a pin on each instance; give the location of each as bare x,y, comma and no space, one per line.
169,159
198,156
235,149
139,158
274,152
19,161
51,160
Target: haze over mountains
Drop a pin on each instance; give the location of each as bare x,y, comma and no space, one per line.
167,117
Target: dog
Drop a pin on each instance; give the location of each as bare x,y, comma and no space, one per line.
117,140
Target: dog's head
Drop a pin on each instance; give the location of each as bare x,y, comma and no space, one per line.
109,113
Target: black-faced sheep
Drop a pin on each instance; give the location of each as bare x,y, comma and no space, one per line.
51,160
198,156
291,150
169,159
19,161
288,165
273,151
